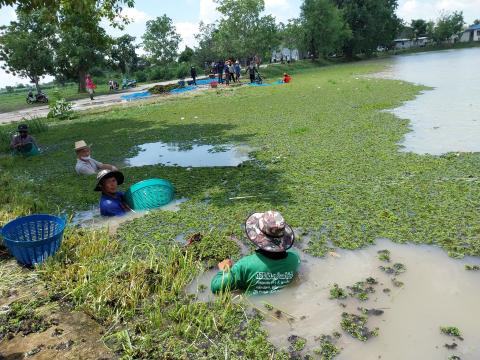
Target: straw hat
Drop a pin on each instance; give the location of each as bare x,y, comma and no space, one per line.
105,174
80,145
269,231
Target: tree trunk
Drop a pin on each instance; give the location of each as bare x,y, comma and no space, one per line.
37,85
81,81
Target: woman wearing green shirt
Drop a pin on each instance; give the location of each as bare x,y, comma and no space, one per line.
271,267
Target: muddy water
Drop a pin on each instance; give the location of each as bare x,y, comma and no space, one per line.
438,291
447,118
92,218
189,155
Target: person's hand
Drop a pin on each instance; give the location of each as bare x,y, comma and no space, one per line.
225,265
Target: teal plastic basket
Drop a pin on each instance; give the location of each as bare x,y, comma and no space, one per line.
149,194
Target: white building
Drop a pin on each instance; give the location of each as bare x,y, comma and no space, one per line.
403,43
285,54
471,34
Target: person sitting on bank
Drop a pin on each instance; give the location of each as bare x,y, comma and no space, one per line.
271,267
23,140
85,164
112,202
286,78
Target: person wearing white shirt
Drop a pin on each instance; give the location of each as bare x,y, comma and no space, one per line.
85,164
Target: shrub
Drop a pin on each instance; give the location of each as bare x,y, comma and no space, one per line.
61,109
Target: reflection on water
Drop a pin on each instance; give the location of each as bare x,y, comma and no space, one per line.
92,217
189,155
447,118
437,291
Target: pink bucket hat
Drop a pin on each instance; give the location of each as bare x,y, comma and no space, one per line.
269,231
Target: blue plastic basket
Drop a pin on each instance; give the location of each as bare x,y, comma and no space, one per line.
150,194
31,239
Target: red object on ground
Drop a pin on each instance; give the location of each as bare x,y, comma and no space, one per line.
287,78
213,84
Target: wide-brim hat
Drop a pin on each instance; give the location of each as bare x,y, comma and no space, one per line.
80,145
269,231
105,174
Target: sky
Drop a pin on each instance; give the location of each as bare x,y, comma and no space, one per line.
187,14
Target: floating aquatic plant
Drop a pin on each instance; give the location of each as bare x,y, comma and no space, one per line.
451,331
472,267
327,349
384,255
337,292
355,325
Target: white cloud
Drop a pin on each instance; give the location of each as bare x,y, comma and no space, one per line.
208,11
187,31
431,9
7,14
135,15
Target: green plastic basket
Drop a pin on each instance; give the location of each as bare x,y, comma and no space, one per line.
149,194
28,149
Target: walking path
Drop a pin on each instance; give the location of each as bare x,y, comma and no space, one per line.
78,105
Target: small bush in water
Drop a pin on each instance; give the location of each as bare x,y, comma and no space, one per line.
355,325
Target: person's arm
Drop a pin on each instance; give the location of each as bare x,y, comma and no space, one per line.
229,277
107,167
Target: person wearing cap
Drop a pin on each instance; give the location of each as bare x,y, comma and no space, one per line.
112,202
85,164
271,267
23,139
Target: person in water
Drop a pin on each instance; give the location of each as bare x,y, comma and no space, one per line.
112,202
85,164
271,267
23,140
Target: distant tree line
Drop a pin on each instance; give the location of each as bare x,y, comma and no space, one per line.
65,38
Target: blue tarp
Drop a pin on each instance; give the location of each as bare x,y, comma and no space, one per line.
135,96
183,90
206,81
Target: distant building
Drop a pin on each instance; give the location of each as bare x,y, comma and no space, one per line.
471,34
285,54
403,43
411,43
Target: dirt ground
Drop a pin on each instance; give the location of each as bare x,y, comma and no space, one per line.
67,334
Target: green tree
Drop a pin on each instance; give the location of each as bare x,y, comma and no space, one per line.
83,43
292,34
123,55
26,46
161,40
324,26
186,55
448,24
207,49
242,31
476,22
110,9
419,27
373,23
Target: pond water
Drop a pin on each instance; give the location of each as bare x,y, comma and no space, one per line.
447,118
189,155
92,217
437,291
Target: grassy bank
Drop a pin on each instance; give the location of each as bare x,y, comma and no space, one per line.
326,157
